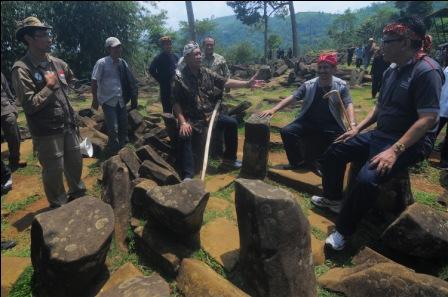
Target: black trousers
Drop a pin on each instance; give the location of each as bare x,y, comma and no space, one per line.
444,150
165,97
12,136
190,149
5,173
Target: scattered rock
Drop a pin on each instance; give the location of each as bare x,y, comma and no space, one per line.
139,195
122,274
87,122
275,253
282,69
150,286
98,139
443,199
197,279
87,112
148,153
116,191
163,176
69,245
220,239
129,157
240,108
318,250
134,118
264,72
256,147
375,275
419,231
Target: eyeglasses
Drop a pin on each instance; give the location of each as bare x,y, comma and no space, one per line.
43,35
387,41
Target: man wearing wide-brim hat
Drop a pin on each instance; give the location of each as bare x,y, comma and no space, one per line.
41,84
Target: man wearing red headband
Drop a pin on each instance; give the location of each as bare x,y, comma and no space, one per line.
319,116
406,118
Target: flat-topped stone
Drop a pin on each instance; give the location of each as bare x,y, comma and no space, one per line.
69,244
123,273
140,286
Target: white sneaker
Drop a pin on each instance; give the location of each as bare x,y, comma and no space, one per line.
233,163
334,206
186,179
336,240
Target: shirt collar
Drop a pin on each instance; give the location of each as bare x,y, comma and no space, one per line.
36,62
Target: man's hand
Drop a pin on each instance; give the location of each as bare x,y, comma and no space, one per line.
185,129
347,135
255,83
51,79
384,161
267,113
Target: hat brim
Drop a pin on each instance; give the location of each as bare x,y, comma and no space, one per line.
20,32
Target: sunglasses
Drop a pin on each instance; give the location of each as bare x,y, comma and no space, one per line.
387,41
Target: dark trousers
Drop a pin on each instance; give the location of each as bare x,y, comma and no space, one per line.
364,193
165,97
5,174
297,131
376,85
358,62
190,149
349,59
444,150
12,136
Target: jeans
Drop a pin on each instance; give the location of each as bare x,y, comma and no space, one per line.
116,119
296,131
361,198
444,150
188,160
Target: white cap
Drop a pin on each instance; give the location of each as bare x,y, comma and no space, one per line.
112,42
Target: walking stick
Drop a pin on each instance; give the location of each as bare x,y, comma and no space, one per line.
207,143
327,95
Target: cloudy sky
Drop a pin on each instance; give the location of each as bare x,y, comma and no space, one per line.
206,9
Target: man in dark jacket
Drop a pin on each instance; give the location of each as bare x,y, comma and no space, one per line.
10,127
378,68
162,68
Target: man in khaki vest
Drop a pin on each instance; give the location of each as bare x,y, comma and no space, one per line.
41,84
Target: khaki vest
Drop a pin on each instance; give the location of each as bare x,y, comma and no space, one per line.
58,113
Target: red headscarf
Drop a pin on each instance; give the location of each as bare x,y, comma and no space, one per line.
330,58
405,31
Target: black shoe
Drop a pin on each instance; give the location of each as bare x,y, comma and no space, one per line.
8,244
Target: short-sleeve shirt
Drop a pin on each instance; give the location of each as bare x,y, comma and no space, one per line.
107,75
216,63
408,91
197,95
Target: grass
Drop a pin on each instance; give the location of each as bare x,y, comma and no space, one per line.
319,234
428,199
225,193
321,292
207,259
95,191
25,284
214,214
94,168
19,205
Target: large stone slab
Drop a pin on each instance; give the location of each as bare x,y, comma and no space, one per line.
163,176
196,279
256,147
148,153
305,181
275,253
220,239
12,268
130,158
264,73
123,273
180,208
116,191
419,231
142,185
69,245
375,275
140,286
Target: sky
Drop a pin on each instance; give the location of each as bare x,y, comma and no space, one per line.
206,9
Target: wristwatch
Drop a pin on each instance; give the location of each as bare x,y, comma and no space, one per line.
399,147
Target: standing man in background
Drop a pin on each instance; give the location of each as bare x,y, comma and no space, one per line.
162,68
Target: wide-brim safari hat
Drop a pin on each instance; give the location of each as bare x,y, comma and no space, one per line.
29,22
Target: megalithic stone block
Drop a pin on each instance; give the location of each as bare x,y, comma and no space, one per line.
256,148
275,242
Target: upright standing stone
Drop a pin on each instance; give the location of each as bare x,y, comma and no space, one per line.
275,252
256,148
116,191
69,245
129,157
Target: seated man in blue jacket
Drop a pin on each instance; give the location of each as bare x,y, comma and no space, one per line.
319,116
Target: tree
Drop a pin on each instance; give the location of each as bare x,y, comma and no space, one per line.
256,12
343,29
191,24
203,28
274,41
419,8
241,53
295,39
373,26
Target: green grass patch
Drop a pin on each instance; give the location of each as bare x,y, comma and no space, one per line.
320,269
443,274
95,191
25,285
225,193
18,251
207,259
321,292
214,214
19,205
95,168
319,234
29,170
5,224
427,199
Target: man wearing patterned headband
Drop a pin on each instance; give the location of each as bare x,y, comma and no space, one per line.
319,116
406,118
195,92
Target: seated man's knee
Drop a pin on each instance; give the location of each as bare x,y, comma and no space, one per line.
367,176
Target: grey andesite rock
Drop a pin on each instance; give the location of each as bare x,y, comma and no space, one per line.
69,245
275,242
140,286
130,158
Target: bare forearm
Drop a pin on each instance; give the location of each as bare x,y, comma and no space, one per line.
369,120
94,93
179,114
418,129
285,102
351,113
234,84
